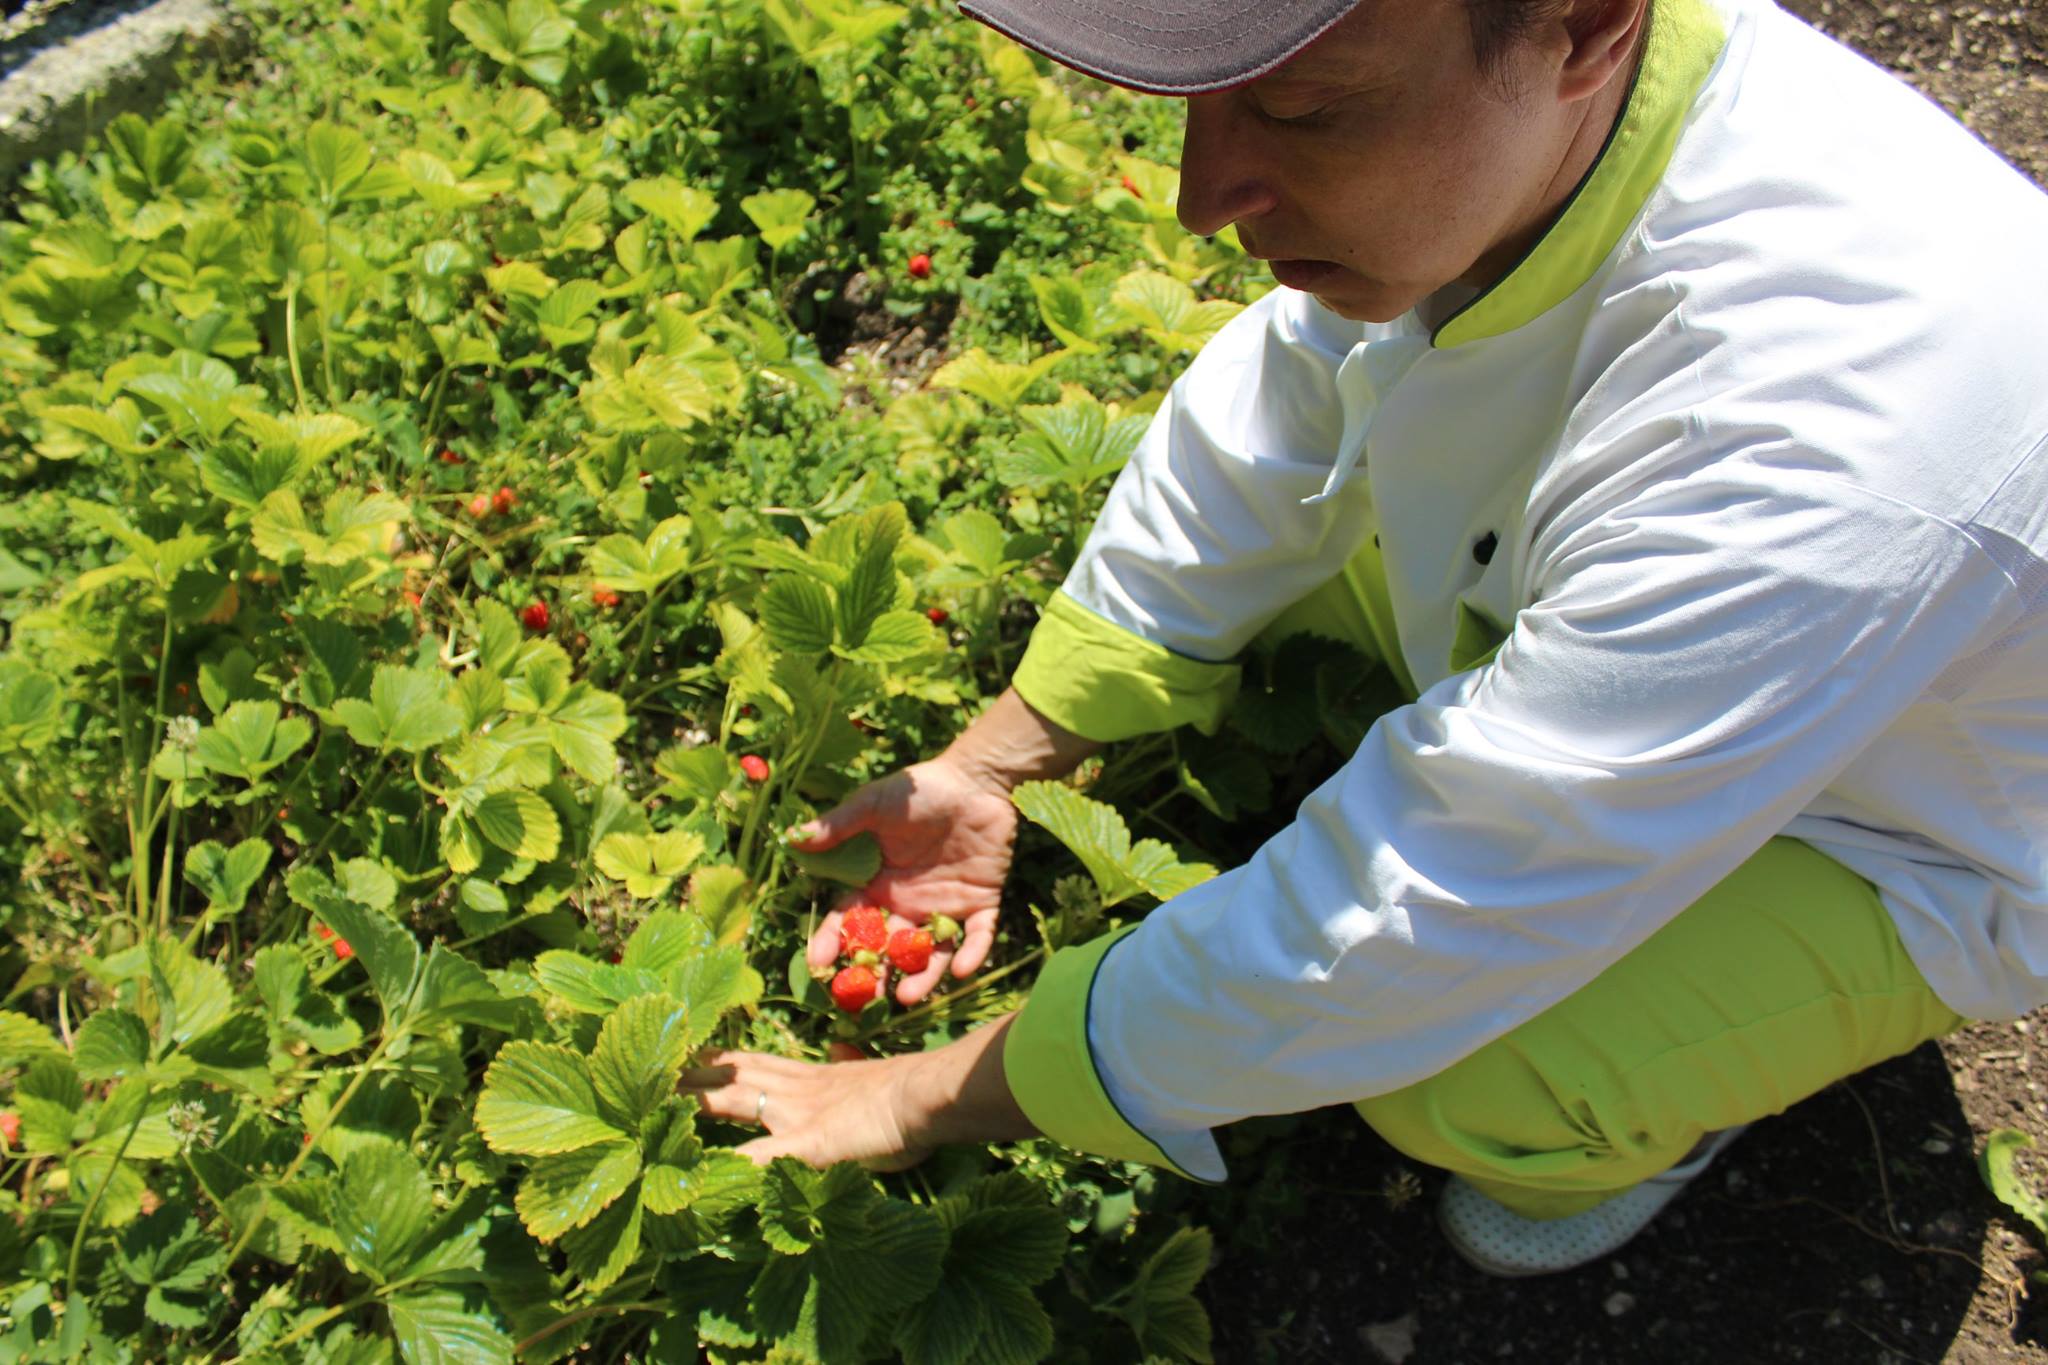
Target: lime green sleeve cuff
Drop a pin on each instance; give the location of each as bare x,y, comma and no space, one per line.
1051,1071
1104,683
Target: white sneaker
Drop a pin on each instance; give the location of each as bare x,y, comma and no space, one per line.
1501,1242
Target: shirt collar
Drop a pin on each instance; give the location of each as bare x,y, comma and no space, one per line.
1684,42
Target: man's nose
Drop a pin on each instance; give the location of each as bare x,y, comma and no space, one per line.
1222,180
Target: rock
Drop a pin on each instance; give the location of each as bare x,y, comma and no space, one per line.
1393,1341
101,58
1619,1302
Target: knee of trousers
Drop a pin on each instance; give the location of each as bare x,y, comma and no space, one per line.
1500,1115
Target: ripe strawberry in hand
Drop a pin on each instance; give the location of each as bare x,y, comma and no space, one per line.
920,266
535,616
755,767
910,950
864,929
853,988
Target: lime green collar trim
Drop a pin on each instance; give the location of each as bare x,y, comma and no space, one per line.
1685,41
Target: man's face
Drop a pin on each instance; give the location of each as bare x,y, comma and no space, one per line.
1381,164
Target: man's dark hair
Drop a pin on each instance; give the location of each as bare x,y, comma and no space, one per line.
1498,25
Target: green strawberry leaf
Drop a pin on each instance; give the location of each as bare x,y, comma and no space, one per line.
683,210
844,1252
779,214
852,862
1162,1308
625,564
408,710
717,1178
192,997
538,1100
639,1055
2003,1180
226,875
452,988
520,822
31,705
648,863
995,382
529,36
603,1249
111,1044
388,953
1004,1237
381,1208
799,614
565,1191
894,637
449,1325
1096,834
249,739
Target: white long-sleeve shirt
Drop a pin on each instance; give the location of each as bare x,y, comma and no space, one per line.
1760,433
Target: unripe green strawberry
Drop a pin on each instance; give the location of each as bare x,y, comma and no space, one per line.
944,928
853,988
910,950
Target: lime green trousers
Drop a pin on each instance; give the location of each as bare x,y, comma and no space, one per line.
1784,978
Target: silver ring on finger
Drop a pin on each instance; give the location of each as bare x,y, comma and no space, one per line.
761,1109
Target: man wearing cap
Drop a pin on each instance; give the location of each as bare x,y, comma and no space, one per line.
1660,392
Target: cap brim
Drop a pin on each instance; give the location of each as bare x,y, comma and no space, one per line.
1188,48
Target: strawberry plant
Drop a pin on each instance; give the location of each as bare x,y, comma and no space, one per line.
456,514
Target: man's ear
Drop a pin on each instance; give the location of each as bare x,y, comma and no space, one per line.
1603,34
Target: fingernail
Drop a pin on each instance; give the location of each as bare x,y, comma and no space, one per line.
802,834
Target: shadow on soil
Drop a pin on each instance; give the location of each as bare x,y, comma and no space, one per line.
1849,1228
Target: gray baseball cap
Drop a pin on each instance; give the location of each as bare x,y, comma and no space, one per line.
1164,47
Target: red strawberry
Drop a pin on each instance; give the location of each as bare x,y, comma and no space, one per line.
448,456
853,988
1132,186
844,1052
864,929
535,616
503,501
325,934
10,1126
910,950
480,506
412,599
920,266
937,616
755,767
342,950
604,597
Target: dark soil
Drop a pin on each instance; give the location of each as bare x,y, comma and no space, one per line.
1852,1228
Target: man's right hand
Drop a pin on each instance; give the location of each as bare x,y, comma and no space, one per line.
946,835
